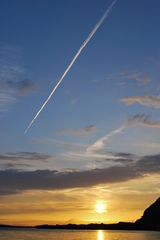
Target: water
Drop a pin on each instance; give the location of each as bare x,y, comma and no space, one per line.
32,234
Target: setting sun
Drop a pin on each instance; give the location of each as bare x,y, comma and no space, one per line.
79,115
100,207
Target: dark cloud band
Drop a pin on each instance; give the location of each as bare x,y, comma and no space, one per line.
13,181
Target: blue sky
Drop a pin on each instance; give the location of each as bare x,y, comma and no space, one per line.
104,114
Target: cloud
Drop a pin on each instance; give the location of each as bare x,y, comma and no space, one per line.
6,100
134,75
150,145
19,156
147,100
141,119
25,87
17,181
80,130
149,164
73,101
122,155
37,140
22,87
141,78
10,65
152,60
95,80
99,144
96,149
53,180
10,70
12,77
15,165
122,73
144,80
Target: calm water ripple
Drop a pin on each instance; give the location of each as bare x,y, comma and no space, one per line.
32,234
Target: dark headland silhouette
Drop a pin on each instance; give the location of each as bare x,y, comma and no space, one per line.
151,216
150,220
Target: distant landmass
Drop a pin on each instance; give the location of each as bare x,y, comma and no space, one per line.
149,221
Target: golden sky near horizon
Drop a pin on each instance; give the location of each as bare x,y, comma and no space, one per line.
107,204
92,153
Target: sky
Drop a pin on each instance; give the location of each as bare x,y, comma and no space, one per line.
93,152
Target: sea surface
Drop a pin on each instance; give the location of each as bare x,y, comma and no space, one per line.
37,234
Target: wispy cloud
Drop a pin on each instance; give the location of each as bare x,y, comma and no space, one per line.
14,165
95,80
22,87
144,79
134,75
30,156
147,100
25,87
152,60
37,140
122,73
10,66
123,155
141,78
149,145
6,101
66,91
99,144
141,119
73,101
79,130
13,79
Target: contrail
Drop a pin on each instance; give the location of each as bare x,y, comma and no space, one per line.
74,59
99,144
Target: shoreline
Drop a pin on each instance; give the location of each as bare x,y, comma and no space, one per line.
92,226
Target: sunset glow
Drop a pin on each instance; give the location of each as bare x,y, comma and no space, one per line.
100,235
100,207
91,154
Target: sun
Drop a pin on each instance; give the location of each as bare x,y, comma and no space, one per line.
100,207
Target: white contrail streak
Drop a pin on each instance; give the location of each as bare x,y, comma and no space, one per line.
75,57
99,144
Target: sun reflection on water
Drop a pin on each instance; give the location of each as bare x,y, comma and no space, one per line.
100,235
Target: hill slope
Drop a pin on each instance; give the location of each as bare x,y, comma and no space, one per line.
151,216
